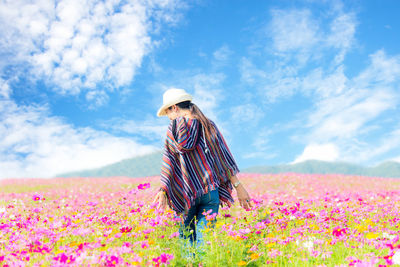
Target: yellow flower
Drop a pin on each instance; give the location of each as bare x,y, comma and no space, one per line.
361,228
254,256
219,224
371,235
314,227
270,235
242,263
270,245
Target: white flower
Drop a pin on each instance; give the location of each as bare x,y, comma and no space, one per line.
388,236
396,257
2,210
308,245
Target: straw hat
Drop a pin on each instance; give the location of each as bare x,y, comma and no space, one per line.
171,97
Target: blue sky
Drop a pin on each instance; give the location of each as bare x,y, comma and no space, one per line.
285,81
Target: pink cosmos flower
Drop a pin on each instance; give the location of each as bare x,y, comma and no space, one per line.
274,253
260,225
145,244
211,217
175,234
63,258
133,191
244,231
338,232
112,261
37,197
126,229
144,186
164,258
148,231
135,210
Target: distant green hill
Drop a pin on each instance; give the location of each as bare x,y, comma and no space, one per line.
150,165
385,169
141,166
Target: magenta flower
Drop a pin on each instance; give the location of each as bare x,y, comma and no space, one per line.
135,210
338,232
112,261
126,229
63,258
164,258
145,244
37,197
144,186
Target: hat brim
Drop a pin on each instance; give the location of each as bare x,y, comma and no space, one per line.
163,110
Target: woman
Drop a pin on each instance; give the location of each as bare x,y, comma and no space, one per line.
198,170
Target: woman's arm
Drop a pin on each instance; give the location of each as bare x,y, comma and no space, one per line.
243,196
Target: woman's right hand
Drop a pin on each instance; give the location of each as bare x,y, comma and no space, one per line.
161,200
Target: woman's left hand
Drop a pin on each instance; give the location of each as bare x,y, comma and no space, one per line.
244,198
161,200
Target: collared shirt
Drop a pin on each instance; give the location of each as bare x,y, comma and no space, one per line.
192,167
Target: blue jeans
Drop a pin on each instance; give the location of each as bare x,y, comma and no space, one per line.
195,223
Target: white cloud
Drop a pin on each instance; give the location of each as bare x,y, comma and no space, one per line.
34,144
342,33
324,152
299,43
388,143
344,116
293,30
249,73
5,89
221,56
206,90
383,71
260,147
246,114
325,85
351,117
152,128
223,53
76,45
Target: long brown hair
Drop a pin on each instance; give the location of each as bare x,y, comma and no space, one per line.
209,129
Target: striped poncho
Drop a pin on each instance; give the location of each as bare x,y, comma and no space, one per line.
191,167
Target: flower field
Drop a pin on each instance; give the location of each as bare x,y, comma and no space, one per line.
297,220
